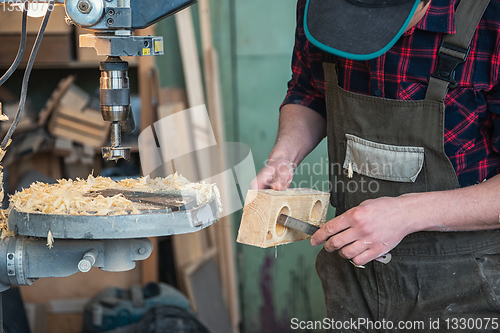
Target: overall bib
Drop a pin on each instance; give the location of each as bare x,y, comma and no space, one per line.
382,147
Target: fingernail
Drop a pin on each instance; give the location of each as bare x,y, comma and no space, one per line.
313,242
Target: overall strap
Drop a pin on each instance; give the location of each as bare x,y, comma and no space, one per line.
455,48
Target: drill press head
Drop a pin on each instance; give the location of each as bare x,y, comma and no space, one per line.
112,23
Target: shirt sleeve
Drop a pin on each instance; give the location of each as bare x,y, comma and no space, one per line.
306,70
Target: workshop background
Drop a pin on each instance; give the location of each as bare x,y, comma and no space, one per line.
254,41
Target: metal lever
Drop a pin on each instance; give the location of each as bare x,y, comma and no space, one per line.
87,261
128,126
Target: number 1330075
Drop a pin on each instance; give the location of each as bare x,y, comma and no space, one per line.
472,323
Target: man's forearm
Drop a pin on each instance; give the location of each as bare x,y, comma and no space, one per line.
300,131
470,208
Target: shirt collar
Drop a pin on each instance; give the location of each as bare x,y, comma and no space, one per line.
440,17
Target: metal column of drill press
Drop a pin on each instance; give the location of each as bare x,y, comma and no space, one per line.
115,105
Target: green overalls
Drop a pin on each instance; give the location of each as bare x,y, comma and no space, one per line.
383,147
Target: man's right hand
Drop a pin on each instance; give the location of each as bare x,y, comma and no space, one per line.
277,174
300,130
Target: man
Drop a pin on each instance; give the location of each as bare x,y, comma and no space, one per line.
431,146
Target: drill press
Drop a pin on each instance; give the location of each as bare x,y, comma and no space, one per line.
112,243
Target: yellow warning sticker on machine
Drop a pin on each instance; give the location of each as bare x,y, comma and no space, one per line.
146,51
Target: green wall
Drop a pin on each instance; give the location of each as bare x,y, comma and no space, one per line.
254,40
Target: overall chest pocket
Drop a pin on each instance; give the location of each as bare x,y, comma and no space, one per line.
372,169
382,161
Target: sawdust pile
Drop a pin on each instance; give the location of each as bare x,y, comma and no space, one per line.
69,196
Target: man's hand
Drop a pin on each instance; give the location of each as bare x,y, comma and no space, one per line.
300,130
276,175
367,231
376,226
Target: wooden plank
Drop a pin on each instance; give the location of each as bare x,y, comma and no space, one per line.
148,91
176,128
224,235
86,127
220,234
80,127
258,223
189,248
70,134
190,60
174,131
204,289
89,116
169,95
189,269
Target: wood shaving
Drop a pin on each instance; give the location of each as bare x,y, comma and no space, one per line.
50,240
2,154
350,172
357,266
3,117
69,196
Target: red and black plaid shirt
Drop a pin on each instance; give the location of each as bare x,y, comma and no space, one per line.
472,118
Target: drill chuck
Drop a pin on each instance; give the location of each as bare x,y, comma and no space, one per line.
115,104
114,89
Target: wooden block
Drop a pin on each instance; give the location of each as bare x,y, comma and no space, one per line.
70,134
262,208
74,98
54,99
86,127
88,115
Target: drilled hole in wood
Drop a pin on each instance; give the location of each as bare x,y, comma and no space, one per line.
316,211
280,230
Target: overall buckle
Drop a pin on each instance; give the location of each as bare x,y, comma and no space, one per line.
449,57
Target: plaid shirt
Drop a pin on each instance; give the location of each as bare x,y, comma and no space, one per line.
472,118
